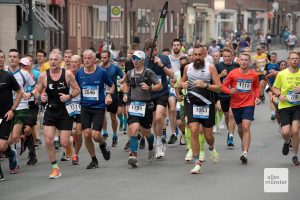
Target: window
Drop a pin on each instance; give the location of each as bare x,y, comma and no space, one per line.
172,21
90,22
166,23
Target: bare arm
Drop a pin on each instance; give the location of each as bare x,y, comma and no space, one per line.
216,87
73,84
9,115
39,87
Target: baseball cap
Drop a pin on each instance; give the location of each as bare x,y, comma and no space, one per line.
25,61
138,55
190,51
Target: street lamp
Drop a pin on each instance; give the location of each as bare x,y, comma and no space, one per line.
239,3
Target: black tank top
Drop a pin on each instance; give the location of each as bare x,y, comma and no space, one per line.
55,87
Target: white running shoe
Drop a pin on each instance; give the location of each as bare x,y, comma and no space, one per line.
160,151
189,156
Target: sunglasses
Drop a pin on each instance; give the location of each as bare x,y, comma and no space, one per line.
135,58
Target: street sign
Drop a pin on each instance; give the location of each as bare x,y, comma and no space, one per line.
115,13
102,14
11,1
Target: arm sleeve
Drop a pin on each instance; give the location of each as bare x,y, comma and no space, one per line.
226,84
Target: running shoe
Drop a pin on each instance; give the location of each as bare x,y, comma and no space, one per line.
105,151
273,117
214,155
16,170
172,139
13,159
202,156
64,157
115,140
230,142
244,158
215,129
39,141
32,158
127,146
295,161
93,164
75,160
55,173
189,156
132,161
285,148
197,168
142,143
56,144
160,151
182,140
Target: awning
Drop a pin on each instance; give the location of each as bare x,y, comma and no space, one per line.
44,17
38,31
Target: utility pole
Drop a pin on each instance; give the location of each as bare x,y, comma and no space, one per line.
125,22
108,25
30,26
239,3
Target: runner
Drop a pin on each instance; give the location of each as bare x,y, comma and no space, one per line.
200,109
161,66
22,111
286,88
223,69
141,81
113,72
91,80
56,81
8,84
243,86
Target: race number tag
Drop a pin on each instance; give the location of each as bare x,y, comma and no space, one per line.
90,93
73,108
137,108
201,112
177,106
243,85
293,98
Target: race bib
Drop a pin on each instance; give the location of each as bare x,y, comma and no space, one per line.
137,108
177,106
293,98
201,112
73,108
243,85
90,93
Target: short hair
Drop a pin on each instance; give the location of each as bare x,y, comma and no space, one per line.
246,54
59,55
2,52
294,52
183,58
89,51
227,49
41,51
197,46
274,53
135,46
106,51
28,55
15,50
166,49
77,57
68,51
177,40
149,44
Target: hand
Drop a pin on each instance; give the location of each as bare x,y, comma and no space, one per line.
9,115
297,89
272,71
257,101
108,99
125,98
232,91
184,85
26,96
224,73
158,61
282,98
200,84
144,86
44,98
64,97
180,98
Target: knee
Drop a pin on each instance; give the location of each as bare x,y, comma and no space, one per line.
3,146
88,136
48,141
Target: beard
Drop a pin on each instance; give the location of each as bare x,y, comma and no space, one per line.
199,64
176,51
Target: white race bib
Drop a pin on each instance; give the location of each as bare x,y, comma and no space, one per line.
90,93
177,106
73,108
293,98
243,85
137,108
201,112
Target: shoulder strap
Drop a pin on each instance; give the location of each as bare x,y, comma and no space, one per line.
23,77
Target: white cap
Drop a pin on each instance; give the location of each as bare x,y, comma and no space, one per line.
140,54
190,51
25,61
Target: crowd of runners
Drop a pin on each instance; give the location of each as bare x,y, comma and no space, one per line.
196,92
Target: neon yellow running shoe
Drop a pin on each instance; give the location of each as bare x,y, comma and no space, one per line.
189,156
214,155
197,168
